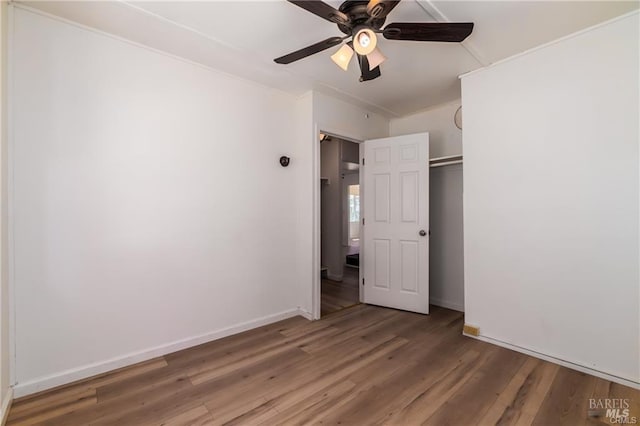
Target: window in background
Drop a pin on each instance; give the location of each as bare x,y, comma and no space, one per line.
354,213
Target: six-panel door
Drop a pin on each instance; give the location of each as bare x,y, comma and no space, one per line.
396,210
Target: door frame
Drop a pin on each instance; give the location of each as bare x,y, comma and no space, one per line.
316,288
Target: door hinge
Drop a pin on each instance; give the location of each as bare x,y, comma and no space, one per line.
363,161
363,281
363,220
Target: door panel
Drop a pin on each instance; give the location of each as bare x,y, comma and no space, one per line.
409,190
382,197
382,263
396,209
409,266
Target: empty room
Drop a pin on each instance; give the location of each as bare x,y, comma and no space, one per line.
290,212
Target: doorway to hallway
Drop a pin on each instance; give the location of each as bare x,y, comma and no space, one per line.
340,223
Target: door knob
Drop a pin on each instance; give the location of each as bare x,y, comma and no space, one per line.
422,232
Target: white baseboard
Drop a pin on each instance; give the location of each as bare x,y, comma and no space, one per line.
6,406
72,375
449,305
306,314
568,364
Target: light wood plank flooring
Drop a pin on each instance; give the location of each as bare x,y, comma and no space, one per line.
363,365
335,296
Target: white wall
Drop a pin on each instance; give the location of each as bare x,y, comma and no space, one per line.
344,119
444,137
337,117
150,210
551,192
446,243
5,391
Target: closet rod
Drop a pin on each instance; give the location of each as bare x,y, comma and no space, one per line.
445,158
446,163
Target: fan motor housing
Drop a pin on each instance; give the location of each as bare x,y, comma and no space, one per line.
357,11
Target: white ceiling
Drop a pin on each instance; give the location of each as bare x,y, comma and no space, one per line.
243,37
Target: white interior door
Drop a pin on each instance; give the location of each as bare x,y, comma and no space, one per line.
396,222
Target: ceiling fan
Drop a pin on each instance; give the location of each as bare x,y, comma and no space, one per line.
361,20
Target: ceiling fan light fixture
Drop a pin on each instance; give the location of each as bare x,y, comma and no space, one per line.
343,56
375,58
361,21
365,41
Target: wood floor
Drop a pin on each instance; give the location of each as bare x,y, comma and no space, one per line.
339,295
363,365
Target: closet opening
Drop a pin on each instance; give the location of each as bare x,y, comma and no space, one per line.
339,223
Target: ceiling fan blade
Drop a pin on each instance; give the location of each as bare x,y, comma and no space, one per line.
309,50
428,31
365,73
381,8
322,10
